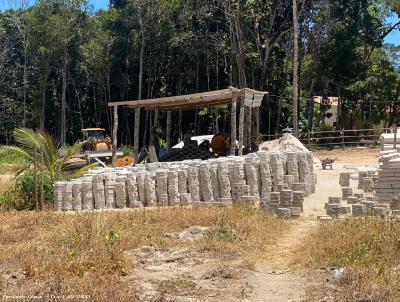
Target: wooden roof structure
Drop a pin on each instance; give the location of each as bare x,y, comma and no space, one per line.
189,101
246,97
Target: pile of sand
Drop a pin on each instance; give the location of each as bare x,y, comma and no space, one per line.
286,143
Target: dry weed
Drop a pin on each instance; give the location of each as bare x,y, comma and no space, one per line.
48,254
369,250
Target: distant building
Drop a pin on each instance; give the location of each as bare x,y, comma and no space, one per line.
330,108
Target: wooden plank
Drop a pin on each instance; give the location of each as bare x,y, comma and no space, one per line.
204,102
166,100
188,106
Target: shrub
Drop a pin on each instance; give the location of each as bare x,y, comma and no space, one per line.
127,150
22,195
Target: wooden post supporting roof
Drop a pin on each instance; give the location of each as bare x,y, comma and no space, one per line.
233,125
114,136
241,122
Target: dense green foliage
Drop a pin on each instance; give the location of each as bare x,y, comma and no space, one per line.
60,62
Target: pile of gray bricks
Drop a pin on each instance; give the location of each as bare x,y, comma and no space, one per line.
271,180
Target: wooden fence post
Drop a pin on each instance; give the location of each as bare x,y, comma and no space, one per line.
342,133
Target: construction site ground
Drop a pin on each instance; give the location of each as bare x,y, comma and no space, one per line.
276,277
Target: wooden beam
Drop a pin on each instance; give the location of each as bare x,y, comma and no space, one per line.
192,106
233,125
209,95
257,118
114,136
249,125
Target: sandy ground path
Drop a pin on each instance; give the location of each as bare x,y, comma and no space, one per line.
274,279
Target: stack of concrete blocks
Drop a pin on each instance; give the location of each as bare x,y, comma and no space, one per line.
288,180
214,180
368,184
395,203
58,195
388,183
150,189
141,185
120,192
251,168
77,195
98,191
132,191
185,196
347,192
277,170
87,194
275,200
224,183
298,199
344,179
304,173
292,168
67,197
238,179
335,209
361,175
263,176
358,210
205,183
162,187
283,212
173,187
193,183
352,200
286,198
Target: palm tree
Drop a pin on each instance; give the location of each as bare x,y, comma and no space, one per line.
39,151
40,148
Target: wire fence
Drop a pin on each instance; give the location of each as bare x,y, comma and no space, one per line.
342,138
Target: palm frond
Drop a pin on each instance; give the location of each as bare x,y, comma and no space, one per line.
50,152
84,169
62,160
27,139
13,149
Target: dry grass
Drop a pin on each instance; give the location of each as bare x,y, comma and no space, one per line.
368,249
49,254
5,182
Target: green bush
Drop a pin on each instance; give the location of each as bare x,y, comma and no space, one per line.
127,150
22,195
10,158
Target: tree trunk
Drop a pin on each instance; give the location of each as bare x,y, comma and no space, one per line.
35,177
394,111
24,84
168,134
295,69
43,107
41,180
63,100
136,135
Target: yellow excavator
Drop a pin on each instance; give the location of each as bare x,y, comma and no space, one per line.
99,145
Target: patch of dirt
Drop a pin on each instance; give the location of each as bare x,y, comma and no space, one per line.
184,275
353,156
